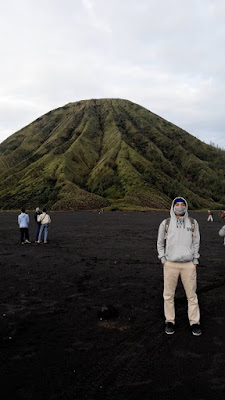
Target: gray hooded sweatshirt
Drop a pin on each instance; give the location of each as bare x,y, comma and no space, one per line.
181,245
222,231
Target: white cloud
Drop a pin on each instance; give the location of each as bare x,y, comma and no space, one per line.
93,19
166,56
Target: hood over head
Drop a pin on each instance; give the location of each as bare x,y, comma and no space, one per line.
176,200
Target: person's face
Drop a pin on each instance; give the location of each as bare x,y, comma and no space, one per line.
179,204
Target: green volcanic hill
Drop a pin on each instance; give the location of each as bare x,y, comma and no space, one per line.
96,153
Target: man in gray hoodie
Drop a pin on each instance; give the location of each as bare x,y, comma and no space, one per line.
178,249
222,234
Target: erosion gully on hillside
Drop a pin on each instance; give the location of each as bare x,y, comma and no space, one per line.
53,344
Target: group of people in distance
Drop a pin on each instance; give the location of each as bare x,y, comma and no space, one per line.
42,220
220,213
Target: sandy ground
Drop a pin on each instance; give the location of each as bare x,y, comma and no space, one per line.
53,344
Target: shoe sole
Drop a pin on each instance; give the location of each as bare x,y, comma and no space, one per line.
169,333
196,334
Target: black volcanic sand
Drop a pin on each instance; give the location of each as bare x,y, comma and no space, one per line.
53,344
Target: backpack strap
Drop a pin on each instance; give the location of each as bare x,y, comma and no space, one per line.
192,226
167,224
42,218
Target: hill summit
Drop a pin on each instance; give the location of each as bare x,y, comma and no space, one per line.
96,153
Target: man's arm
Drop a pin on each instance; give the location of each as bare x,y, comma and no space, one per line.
161,242
196,244
222,231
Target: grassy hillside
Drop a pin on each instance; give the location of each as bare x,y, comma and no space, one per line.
96,153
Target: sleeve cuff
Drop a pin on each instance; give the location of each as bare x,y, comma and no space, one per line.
163,260
195,261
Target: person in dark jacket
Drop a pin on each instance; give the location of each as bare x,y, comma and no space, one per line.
210,216
37,212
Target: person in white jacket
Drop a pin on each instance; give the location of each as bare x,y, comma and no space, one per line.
23,221
45,220
222,234
178,249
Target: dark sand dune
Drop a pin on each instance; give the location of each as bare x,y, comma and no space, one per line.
53,344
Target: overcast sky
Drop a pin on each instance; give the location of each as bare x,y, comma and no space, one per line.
166,55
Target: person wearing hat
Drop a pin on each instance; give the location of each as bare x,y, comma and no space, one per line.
37,212
178,249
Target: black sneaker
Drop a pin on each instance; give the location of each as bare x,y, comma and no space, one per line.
169,328
196,330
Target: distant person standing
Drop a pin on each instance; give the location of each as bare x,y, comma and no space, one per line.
222,234
23,221
210,216
178,249
37,213
222,216
45,220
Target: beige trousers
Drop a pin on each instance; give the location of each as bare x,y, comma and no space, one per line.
187,272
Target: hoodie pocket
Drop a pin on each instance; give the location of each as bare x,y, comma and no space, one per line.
179,253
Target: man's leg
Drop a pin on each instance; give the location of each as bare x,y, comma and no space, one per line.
40,233
37,232
171,274
45,233
26,233
22,235
189,280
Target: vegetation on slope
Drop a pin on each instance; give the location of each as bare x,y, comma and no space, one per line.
96,153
